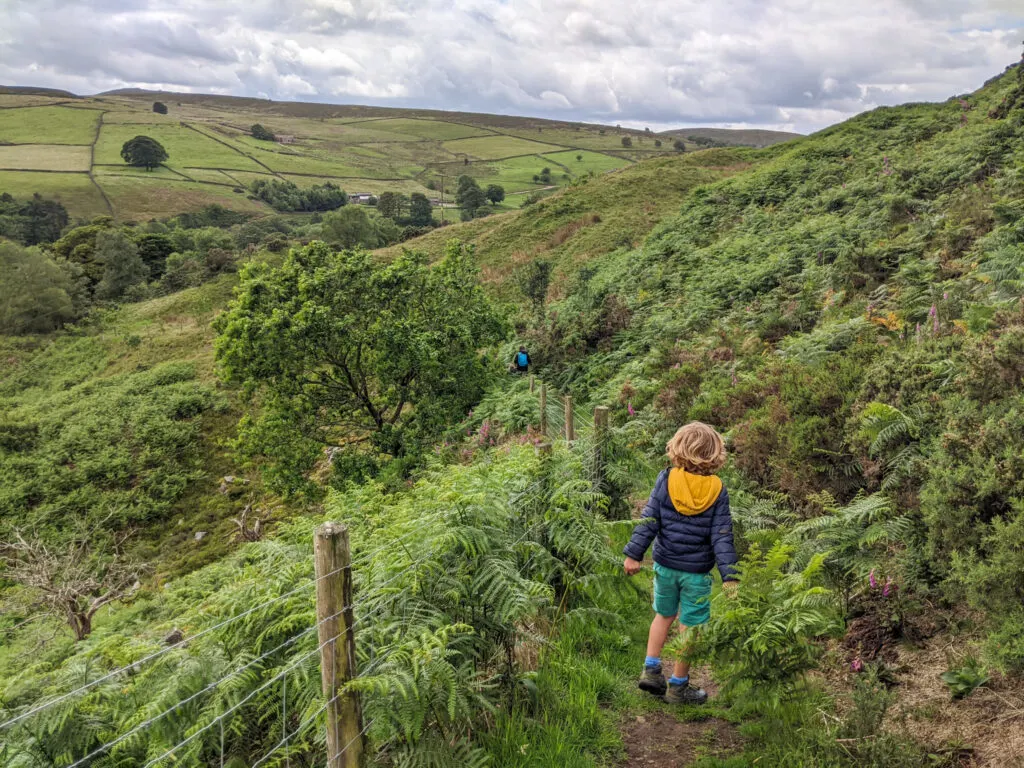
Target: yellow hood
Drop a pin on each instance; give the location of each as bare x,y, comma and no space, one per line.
692,494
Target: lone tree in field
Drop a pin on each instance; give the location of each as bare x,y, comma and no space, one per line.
261,133
627,142
144,152
344,352
159,107
495,193
678,145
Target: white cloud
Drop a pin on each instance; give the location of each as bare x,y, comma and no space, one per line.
787,63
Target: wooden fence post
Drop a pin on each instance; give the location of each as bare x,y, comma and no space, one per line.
543,408
570,430
600,436
531,383
337,645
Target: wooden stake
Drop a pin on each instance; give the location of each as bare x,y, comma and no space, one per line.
600,436
531,383
570,431
543,408
338,645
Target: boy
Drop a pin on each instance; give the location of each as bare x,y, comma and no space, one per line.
521,362
688,518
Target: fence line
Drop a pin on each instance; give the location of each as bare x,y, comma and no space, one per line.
587,444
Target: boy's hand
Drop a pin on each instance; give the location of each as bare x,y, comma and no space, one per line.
631,566
729,587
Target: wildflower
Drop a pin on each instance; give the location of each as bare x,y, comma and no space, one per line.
629,408
735,380
675,366
857,665
945,295
872,580
889,588
933,311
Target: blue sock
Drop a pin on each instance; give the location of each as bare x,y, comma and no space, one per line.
678,680
652,661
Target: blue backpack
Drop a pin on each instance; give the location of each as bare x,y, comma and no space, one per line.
522,359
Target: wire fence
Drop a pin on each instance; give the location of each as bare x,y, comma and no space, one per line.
207,732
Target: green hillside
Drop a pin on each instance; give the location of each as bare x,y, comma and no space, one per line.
845,308
213,159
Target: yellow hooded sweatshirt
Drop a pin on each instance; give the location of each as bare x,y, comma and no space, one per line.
692,494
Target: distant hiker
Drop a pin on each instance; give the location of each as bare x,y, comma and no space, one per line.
688,518
521,362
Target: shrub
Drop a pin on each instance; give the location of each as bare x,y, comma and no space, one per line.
762,637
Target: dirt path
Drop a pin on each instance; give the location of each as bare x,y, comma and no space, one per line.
659,740
662,738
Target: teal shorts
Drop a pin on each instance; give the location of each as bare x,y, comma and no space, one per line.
688,594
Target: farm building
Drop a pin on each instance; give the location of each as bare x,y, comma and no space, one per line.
363,198
285,139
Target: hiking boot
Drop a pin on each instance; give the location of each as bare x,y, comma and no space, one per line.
653,681
685,694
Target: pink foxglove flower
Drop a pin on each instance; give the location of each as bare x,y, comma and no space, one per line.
629,408
872,580
856,665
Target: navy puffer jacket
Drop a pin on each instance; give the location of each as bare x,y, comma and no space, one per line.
693,542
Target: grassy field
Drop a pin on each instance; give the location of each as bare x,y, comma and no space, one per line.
48,125
75,190
362,149
45,157
155,197
496,147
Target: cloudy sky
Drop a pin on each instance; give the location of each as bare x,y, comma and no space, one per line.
787,64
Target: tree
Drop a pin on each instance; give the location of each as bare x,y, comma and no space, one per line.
545,176
353,354
657,142
533,280
469,197
263,134
154,250
33,221
122,265
390,204
143,152
349,227
159,107
579,158
627,142
421,212
495,193
678,145
70,581
431,185
35,291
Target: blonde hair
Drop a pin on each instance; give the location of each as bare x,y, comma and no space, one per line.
697,448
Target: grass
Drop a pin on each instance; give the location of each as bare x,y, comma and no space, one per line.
586,219
591,161
496,147
185,147
361,148
48,125
157,198
374,186
75,190
427,129
45,157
